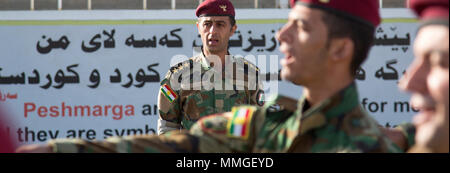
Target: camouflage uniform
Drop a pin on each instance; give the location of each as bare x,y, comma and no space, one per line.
338,124
181,107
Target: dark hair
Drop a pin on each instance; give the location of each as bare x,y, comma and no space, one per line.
361,34
232,21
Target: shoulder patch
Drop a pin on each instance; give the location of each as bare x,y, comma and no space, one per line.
239,124
168,92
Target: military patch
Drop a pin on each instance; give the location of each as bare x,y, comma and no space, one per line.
239,125
168,92
260,97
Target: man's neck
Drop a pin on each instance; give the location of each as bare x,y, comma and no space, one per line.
320,91
220,54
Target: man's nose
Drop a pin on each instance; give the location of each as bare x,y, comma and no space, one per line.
213,29
415,79
282,34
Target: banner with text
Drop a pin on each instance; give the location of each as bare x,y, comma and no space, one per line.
67,80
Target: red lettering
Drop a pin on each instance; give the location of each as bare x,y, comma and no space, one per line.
97,111
54,111
42,111
117,115
117,111
82,109
129,110
106,109
64,109
26,109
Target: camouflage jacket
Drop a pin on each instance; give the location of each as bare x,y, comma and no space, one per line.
185,96
338,124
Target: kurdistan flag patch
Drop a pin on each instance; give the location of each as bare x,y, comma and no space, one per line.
239,125
168,92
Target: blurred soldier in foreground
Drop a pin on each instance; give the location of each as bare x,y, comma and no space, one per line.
325,41
180,106
428,77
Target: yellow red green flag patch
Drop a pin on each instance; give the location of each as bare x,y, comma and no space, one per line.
239,125
168,92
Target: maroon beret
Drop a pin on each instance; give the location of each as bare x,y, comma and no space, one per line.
430,9
365,11
215,8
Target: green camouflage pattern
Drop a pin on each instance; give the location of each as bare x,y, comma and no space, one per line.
197,101
338,124
409,132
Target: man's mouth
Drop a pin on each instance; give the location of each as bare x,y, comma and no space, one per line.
213,41
427,107
286,60
422,103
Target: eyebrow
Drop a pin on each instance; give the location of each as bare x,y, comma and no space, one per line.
303,22
217,21
299,19
441,53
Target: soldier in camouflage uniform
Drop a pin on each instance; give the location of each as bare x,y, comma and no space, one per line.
182,105
324,41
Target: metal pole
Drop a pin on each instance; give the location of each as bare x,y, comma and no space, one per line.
256,3
174,4
144,4
59,4
381,3
31,5
89,5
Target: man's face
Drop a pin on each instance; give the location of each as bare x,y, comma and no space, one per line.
303,41
428,80
215,32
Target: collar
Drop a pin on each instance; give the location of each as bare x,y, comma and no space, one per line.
336,106
205,63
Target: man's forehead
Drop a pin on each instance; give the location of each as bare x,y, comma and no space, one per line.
214,18
303,13
432,38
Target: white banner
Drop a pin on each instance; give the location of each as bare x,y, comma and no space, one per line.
94,78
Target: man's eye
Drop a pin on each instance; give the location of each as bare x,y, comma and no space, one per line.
437,60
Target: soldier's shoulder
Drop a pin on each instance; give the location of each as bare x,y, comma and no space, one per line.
280,103
180,67
247,64
213,124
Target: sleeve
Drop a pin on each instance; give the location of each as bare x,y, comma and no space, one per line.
215,135
211,134
172,142
166,126
168,106
409,132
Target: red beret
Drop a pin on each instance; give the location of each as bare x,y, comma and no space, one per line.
430,9
365,11
215,8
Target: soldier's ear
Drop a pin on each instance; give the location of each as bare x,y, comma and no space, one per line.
233,29
341,49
